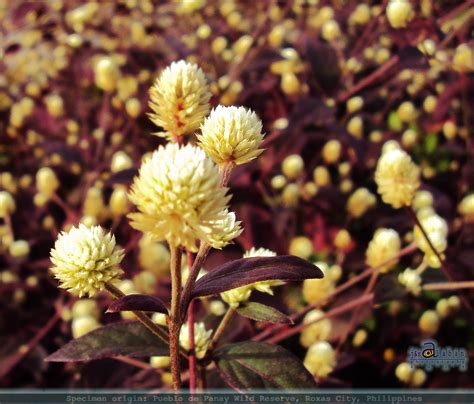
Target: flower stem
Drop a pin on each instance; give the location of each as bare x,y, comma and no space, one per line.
193,274
449,285
141,316
229,315
174,323
225,170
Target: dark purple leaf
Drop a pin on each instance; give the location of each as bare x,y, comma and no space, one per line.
125,338
138,303
250,270
324,65
261,312
412,58
256,365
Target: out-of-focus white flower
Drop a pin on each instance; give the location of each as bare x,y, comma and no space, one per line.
201,338
320,359
397,178
384,245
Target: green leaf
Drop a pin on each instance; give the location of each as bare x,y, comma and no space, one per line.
124,338
256,365
261,312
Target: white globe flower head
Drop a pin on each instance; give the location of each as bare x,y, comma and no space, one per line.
319,331
411,279
85,259
231,135
397,178
384,245
399,13
179,199
320,359
179,99
202,338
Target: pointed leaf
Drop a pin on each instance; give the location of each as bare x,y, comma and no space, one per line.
137,302
256,365
125,338
250,270
261,312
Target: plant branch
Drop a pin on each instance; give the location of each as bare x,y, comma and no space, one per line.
174,322
332,313
449,285
229,315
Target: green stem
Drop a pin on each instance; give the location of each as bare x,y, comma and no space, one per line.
229,315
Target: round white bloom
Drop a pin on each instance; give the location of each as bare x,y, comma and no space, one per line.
319,331
179,199
411,279
437,230
179,99
201,338
360,201
83,325
231,135
85,259
399,13
429,322
397,178
320,359
7,204
317,290
384,245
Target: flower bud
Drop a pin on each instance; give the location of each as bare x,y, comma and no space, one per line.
106,74
342,240
133,107
354,104
463,60
321,176
292,166
399,13
384,245
160,362
332,151
54,105
119,202
319,331
355,127
290,84
320,359
407,112
19,249
85,308
7,204
278,181
359,338
83,325
404,372
429,322
301,247
291,195
330,30
46,181
120,161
